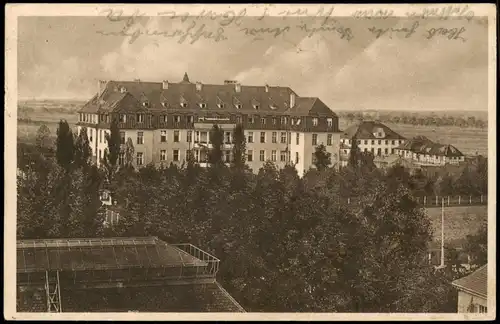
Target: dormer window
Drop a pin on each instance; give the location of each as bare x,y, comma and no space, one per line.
177,119
238,106
183,104
123,90
329,122
145,104
273,107
140,118
221,105
256,107
315,121
123,118
203,105
251,120
164,104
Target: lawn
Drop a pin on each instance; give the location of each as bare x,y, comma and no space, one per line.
458,222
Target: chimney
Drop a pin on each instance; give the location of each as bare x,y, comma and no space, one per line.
101,85
198,86
292,99
165,85
267,88
237,87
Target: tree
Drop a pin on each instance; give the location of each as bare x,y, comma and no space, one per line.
322,158
215,153
43,139
239,147
111,153
83,152
477,246
354,153
129,152
65,146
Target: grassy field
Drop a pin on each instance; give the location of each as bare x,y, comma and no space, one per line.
467,140
458,222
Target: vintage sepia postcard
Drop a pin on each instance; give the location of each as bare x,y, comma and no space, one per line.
250,162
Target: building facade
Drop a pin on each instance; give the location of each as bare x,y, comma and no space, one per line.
473,291
423,151
371,136
167,121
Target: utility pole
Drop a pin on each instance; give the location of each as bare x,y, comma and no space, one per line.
442,233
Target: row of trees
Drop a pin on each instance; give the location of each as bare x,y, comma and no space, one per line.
286,243
419,119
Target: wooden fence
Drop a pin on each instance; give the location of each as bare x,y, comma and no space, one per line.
435,201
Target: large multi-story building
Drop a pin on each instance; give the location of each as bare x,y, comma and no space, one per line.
166,121
371,136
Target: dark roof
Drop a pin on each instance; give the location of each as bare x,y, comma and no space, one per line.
99,254
423,145
196,297
253,99
366,130
476,282
206,297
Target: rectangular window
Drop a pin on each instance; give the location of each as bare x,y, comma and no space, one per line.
289,136
100,155
176,136
121,159
386,151
163,155
123,118
379,142
250,137
164,119
330,122
296,157
140,118
251,120
227,155
359,141
190,119
249,155
366,142
274,121
227,137
373,142
274,136
176,155
189,136
263,121
482,309
262,155
273,155
392,142
379,151
163,136
238,119
91,134
315,121
386,142
297,138
314,139
283,137
140,138
262,137
140,158
329,139
313,158
283,156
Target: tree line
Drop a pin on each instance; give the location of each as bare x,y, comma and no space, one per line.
419,119
286,243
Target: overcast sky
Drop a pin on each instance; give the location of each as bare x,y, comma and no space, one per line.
63,57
